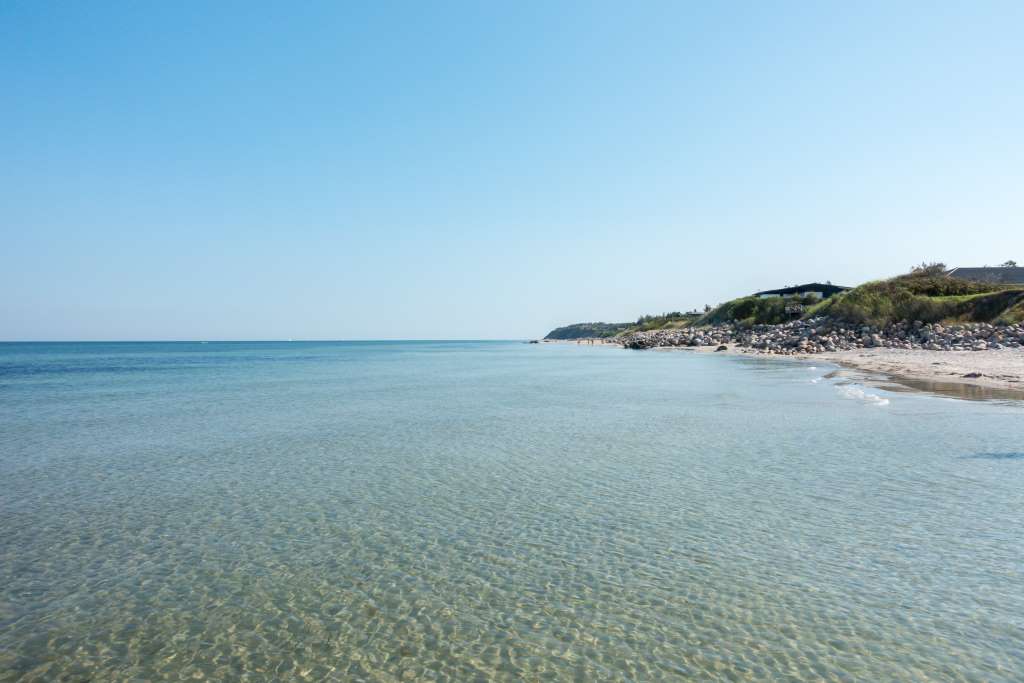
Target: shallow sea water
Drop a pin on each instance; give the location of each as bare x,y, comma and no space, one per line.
497,511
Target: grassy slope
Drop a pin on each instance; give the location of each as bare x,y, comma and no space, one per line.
665,321
928,297
1014,314
750,310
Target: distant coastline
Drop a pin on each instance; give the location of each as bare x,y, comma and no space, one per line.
926,327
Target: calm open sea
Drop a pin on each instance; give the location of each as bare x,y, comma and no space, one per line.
497,511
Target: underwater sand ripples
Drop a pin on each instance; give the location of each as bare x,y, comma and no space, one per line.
532,527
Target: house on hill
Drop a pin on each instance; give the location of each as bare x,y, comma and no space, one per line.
813,289
999,275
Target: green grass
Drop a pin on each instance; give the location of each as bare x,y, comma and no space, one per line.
1012,315
929,298
660,322
927,295
751,310
587,331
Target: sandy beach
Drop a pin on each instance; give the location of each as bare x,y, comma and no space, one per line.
1000,370
966,374
996,374
1003,369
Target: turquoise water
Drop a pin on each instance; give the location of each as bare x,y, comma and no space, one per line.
497,511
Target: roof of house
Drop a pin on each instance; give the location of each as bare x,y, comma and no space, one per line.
998,275
810,287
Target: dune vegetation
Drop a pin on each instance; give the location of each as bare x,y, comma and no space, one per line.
587,331
927,296
927,293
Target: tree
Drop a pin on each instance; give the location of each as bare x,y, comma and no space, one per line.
1009,264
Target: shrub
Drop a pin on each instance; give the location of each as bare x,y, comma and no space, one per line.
752,310
882,303
934,268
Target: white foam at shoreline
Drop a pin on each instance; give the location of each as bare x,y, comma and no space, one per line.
859,394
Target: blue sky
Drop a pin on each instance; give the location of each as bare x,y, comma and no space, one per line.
337,170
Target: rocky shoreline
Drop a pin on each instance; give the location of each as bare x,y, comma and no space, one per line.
822,335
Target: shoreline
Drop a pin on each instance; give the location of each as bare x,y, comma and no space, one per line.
995,374
969,375
995,369
973,375
582,342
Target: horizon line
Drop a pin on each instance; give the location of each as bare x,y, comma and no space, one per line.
259,341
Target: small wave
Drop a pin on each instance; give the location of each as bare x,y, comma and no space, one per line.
815,380
860,395
813,367
994,456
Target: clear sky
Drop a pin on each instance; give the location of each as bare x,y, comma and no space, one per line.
250,170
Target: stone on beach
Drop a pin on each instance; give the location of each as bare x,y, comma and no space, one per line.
819,335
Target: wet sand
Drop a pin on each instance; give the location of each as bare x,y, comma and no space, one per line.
971,375
980,375
1001,370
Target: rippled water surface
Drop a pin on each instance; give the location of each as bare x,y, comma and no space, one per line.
497,511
